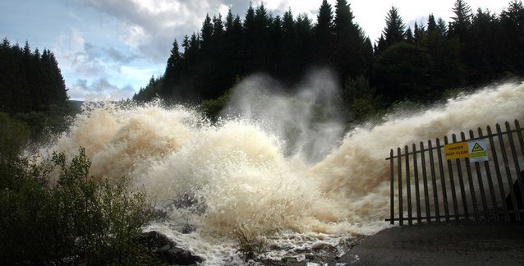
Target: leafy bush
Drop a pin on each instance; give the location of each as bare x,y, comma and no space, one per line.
212,108
13,135
75,219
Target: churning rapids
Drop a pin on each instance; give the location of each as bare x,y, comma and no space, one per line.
273,167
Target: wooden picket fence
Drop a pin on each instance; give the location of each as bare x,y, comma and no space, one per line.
428,188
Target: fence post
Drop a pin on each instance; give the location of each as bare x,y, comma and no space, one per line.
425,181
442,180
392,188
408,186
400,203
417,191
434,182
452,179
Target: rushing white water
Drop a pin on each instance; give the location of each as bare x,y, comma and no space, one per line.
273,167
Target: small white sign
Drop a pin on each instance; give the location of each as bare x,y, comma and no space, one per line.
478,150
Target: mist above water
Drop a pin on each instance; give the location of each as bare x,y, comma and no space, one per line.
308,120
273,164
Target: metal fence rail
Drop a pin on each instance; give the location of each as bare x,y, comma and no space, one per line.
429,187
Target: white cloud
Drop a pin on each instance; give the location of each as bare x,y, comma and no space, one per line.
136,36
100,89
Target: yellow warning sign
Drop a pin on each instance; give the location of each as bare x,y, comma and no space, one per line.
477,148
456,150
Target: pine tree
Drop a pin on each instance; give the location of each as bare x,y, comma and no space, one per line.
250,33
206,32
410,38
512,23
487,59
233,44
446,69
395,28
419,32
461,21
172,71
348,43
324,33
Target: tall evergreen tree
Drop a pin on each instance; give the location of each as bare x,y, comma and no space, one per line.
349,40
487,60
304,31
395,28
432,23
206,32
250,35
410,38
461,21
233,45
418,32
172,71
512,23
324,33
446,69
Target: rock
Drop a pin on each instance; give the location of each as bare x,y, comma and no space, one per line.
166,251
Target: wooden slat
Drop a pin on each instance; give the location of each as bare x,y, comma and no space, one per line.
471,187
452,179
425,182
442,181
417,190
408,186
392,187
434,182
400,195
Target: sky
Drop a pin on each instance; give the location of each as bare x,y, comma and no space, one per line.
109,49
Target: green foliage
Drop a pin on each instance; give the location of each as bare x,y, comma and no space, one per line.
212,108
361,100
75,219
151,91
404,70
13,135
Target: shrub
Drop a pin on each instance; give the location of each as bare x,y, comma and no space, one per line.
250,243
13,135
76,220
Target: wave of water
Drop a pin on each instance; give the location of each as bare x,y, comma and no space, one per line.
273,167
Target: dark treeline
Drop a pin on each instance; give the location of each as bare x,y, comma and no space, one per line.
417,63
29,80
32,89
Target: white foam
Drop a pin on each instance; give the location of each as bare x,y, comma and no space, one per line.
243,174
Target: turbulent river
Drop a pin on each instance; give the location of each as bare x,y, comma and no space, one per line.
273,168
